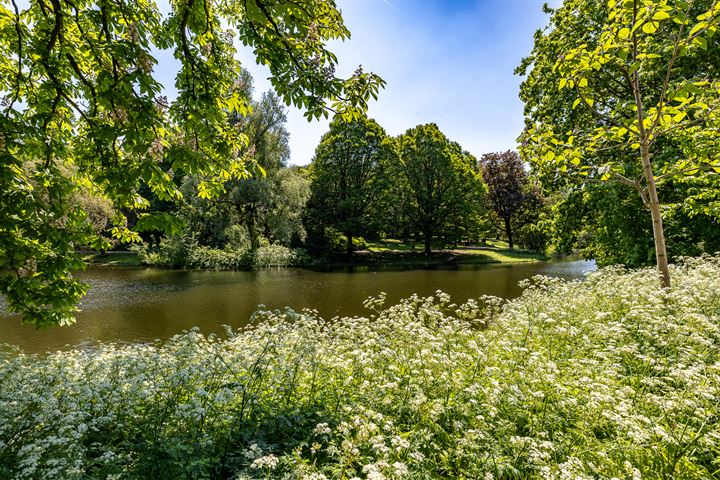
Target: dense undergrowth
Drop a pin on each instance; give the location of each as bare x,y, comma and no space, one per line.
611,377
187,254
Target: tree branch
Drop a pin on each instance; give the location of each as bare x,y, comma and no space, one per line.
666,80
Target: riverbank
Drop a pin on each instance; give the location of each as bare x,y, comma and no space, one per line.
377,255
590,379
438,258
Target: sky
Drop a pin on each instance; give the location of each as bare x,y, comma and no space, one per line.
449,62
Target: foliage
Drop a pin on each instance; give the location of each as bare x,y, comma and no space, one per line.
348,179
510,194
267,206
640,76
435,191
82,110
225,233
623,233
184,251
98,209
277,256
611,377
207,258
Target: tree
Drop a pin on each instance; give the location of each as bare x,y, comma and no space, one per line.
83,110
435,183
264,207
509,191
254,199
635,75
347,175
622,234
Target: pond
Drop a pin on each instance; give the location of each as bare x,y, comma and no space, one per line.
143,304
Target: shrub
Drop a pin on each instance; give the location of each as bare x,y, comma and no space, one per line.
611,377
208,258
185,252
172,251
338,242
273,256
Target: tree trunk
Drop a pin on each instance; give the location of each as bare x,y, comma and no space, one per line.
428,238
508,232
658,232
652,200
349,248
252,230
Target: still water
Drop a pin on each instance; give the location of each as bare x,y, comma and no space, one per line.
142,304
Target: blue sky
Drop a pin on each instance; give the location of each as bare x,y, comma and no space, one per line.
449,62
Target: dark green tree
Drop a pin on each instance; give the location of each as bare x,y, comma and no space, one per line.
434,184
83,110
347,175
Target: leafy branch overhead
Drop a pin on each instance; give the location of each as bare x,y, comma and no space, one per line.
646,45
83,109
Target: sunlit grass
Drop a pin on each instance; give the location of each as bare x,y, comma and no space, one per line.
493,251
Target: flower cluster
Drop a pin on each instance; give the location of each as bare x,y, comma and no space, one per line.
610,377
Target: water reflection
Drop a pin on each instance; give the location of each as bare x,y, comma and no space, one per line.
130,304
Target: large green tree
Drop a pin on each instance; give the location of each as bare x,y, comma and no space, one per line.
347,175
435,184
265,207
82,109
612,86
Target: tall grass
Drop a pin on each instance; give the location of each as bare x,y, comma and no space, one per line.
610,377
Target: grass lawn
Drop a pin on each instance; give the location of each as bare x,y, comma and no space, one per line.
395,253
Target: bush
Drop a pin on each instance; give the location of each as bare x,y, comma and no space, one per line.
534,236
612,377
338,242
216,259
185,252
172,252
275,256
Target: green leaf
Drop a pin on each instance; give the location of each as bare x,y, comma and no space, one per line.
678,117
700,42
650,27
697,28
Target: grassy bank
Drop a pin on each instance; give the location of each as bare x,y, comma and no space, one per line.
380,254
607,378
393,253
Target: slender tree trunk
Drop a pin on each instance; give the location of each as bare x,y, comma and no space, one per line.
508,232
252,229
428,238
658,231
652,200
349,248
